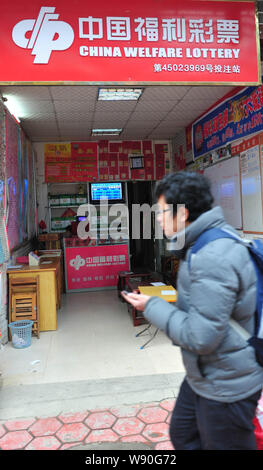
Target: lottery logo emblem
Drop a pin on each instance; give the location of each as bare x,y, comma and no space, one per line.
47,35
77,263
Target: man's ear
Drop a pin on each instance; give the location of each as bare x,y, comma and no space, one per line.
182,217
183,213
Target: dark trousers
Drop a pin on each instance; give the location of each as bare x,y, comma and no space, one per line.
198,423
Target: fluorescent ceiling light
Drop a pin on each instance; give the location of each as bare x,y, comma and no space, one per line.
13,107
122,94
106,131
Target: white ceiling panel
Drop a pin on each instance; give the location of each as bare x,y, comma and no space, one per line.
26,93
206,93
77,118
108,124
169,93
135,120
149,106
135,125
33,108
74,107
69,112
149,116
166,125
115,106
74,126
74,93
111,117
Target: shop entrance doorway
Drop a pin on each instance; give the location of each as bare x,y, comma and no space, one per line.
141,250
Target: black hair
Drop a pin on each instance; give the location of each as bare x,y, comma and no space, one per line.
188,188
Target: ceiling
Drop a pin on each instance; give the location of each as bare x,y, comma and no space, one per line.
68,113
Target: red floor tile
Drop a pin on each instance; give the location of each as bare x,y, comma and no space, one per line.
147,423
15,440
68,418
153,415
72,444
2,431
100,420
128,426
104,435
44,443
73,432
146,405
19,425
168,404
137,438
45,427
157,432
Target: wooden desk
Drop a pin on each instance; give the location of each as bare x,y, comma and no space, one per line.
49,289
132,284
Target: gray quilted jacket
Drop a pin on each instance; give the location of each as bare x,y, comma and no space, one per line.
221,282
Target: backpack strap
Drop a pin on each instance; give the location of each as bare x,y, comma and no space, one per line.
207,237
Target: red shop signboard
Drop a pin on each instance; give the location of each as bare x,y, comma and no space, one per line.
98,266
129,42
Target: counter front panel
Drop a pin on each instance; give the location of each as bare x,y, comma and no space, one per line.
95,267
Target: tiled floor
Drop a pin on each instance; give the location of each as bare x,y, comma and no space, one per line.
95,343
146,423
95,339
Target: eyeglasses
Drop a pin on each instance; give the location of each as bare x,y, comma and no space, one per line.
163,211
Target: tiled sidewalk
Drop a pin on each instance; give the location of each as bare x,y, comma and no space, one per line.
147,423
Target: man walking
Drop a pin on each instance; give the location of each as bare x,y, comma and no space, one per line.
219,395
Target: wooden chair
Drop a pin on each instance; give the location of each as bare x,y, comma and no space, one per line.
24,301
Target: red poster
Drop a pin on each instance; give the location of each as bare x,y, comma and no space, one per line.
103,146
161,148
115,147
147,147
160,166
81,150
126,146
85,170
59,151
58,172
245,145
179,162
113,165
136,147
188,134
104,160
127,42
137,174
103,166
98,266
84,161
124,166
104,174
149,167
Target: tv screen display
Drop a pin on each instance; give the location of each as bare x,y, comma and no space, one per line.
110,191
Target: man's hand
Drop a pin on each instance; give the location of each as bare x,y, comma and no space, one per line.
136,300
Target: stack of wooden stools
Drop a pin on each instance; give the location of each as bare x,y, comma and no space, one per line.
24,301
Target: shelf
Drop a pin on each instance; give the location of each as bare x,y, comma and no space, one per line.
62,182
112,204
66,205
